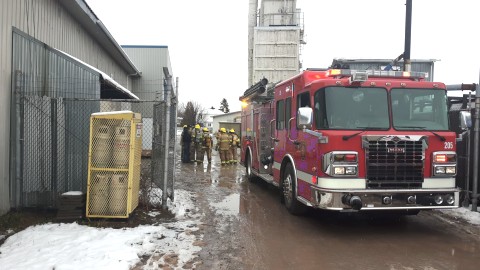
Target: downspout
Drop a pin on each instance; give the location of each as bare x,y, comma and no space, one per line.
136,74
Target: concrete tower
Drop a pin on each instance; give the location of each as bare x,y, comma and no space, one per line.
275,37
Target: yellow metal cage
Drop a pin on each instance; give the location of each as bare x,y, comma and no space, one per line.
114,159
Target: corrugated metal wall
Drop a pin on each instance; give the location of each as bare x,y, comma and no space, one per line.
50,23
151,60
45,142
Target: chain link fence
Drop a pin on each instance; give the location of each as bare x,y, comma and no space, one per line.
50,147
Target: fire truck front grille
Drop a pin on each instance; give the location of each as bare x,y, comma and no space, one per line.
394,164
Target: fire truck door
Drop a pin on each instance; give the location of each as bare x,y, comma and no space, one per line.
265,141
282,117
304,144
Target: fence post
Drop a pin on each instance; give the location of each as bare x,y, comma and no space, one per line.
475,149
167,89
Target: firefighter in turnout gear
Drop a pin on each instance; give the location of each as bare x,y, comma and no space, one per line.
196,146
234,144
217,135
223,146
185,141
207,144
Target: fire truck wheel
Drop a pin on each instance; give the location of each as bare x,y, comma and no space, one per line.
288,191
248,168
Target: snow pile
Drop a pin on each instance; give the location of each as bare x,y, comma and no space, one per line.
74,246
465,214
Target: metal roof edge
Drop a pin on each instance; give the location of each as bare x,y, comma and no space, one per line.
72,7
145,46
122,52
102,74
226,114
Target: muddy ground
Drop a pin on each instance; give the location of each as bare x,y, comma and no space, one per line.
243,225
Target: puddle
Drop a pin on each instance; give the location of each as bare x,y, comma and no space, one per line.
228,206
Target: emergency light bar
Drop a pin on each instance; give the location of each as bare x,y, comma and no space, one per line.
359,76
362,75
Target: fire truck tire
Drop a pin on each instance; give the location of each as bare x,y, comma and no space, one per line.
248,168
288,192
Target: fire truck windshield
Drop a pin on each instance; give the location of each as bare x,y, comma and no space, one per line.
419,109
351,108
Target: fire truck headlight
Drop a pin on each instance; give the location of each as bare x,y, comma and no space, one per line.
351,170
445,170
439,170
450,170
345,170
340,163
339,170
444,163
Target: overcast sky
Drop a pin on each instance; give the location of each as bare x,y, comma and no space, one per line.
207,39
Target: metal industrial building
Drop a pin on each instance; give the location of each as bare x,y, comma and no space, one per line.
52,53
150,60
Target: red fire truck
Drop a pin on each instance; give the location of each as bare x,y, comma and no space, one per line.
347,140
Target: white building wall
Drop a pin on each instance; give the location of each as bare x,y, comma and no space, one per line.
218,120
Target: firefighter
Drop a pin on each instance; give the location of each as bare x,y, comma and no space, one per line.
207,144
223,146
234,144
217,135
185,141
195,146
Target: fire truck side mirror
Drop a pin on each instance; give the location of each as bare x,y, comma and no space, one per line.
304,118
465,120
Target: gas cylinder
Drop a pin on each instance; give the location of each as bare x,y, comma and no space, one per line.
121,147
118,194
102,147
99,192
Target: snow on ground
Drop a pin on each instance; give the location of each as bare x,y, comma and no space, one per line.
73,246
464,213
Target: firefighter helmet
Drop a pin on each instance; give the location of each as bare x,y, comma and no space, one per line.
205,129
197,126
232,130
223,130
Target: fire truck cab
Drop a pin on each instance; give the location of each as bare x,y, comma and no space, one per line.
347,140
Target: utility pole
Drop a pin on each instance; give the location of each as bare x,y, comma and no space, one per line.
408,36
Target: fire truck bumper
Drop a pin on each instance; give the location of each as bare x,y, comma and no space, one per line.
385,199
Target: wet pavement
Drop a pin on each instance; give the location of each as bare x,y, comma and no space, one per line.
244,226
